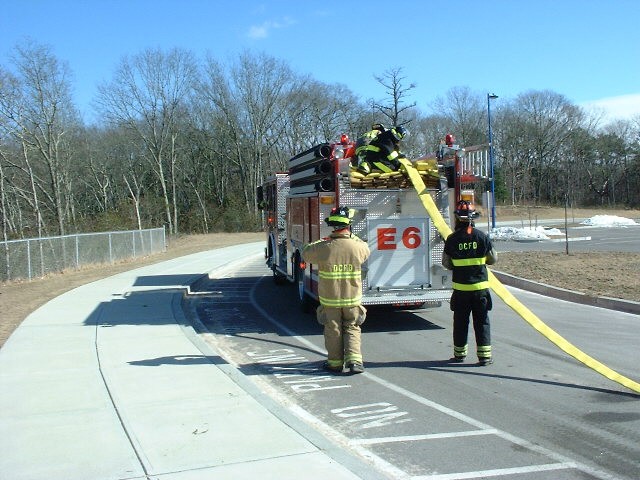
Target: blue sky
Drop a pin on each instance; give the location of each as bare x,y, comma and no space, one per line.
587,50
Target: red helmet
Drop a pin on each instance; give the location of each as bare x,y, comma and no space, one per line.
465,211
449,139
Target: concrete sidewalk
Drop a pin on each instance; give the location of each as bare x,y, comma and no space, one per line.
110,381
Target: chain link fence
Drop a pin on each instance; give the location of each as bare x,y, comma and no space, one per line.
36,257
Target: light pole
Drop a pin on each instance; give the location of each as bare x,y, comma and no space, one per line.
491,96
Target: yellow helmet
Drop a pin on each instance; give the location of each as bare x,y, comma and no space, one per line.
340,217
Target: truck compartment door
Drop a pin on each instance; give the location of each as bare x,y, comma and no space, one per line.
399,253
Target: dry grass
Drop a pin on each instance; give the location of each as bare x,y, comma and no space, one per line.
601,274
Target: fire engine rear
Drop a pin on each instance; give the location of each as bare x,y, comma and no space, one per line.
404,268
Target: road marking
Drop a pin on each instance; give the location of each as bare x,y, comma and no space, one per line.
573,239
504,435
498,472
395,472
372,415
280,355
431,436
388,468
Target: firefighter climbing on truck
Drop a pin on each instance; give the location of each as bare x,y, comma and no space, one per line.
364,140
383,151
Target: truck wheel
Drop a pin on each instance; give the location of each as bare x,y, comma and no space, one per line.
278,278
306,302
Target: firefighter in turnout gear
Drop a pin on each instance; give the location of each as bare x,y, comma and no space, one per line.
383,151
339,260
363,141
467,251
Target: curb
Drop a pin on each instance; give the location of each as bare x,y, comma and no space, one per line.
626,306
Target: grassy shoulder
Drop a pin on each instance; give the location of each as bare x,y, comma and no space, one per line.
600,274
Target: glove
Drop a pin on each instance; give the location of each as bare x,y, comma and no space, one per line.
362,315
321,315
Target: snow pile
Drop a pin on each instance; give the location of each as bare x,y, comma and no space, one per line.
528,234
608,221
523,234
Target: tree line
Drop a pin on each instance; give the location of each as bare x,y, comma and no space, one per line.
184,142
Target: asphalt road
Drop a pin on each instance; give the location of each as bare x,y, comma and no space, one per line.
535,414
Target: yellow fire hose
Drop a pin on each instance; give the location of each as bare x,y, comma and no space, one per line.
500,290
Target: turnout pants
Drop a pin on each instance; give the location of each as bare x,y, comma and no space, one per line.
476,304
342,336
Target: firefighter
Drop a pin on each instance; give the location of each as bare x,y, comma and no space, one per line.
365,139
383,151
467,251
339,260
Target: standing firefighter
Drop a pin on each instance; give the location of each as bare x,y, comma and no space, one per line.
467,251
339,260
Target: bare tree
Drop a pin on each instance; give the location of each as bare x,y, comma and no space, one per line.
133,178
3,208
392,80
623,136
466,113
428,132
249,104
25,182
533,139
192,158
318,113
147,96
38,111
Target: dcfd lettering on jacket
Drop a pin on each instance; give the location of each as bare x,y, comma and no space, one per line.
347,267
339,262
468,246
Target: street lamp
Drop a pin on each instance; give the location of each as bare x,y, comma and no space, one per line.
491,96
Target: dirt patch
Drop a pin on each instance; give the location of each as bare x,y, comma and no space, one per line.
599,274
602,274
529,215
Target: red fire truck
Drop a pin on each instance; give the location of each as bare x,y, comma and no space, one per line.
404,268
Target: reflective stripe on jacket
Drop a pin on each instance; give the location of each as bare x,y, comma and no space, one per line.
466,252
363,142
382,152
339,262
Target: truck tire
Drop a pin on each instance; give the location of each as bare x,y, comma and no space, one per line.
278,278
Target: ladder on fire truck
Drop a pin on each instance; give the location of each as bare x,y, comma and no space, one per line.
508,298
464,167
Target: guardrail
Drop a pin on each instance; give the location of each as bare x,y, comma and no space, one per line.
36,257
